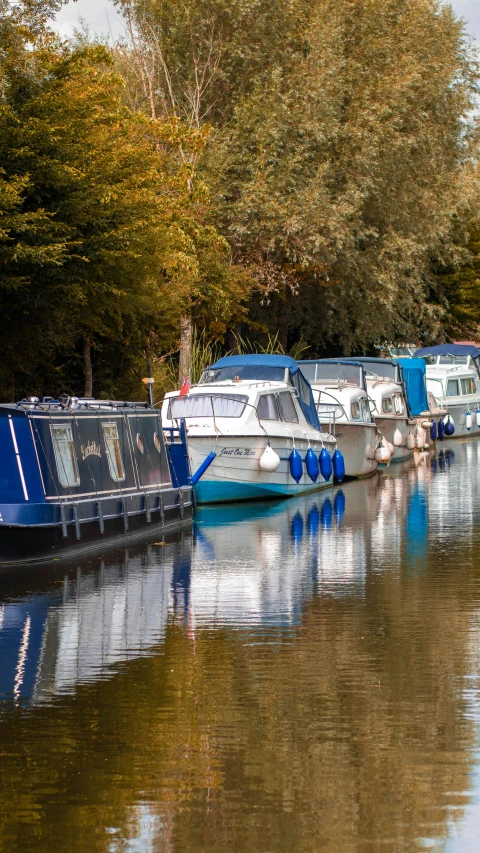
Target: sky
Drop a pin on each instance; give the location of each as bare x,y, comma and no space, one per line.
102,19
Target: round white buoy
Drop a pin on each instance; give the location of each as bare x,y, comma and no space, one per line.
269,460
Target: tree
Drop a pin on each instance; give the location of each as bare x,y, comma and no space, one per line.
103,239
339,143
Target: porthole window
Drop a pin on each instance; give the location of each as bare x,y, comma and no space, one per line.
140,443
156,442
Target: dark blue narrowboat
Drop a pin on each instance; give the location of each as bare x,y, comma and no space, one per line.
76,471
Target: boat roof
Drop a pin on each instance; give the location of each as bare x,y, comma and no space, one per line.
448,349
260,359
305,396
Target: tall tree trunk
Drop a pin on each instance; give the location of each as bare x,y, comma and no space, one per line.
234,339
185,348
87,368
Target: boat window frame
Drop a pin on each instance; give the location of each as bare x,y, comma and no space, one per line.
399,404
281,412
240,399
275,403
385,409
358,415
115,477
472,381
61,470
451,382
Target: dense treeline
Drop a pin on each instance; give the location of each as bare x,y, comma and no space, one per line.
316,178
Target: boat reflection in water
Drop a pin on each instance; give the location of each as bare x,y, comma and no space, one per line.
298,676
251,564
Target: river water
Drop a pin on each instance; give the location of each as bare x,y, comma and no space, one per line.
299,676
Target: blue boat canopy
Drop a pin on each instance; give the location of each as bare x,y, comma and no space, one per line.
448,349
270,368
413,374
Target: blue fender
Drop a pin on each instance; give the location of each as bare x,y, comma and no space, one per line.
433,431
325,464
296,467
312,466
441,430
338,466
203,467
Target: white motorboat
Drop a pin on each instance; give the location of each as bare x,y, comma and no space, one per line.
387,395
340,394
453,377
253,431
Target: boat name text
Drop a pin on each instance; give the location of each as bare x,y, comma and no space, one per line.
92,449
237,451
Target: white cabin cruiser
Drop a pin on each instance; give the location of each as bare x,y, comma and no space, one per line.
389,405
453,377
253,431
340,394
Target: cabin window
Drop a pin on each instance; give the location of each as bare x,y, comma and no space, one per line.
387,404
156,442
267,408
304,391
399,405
287,407
452,388
114,455
65,458
366,413
140,443
355,411
468,386
205,406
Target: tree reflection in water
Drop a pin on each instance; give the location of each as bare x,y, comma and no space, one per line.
300,678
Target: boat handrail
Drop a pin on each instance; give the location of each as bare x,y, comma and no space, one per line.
49,404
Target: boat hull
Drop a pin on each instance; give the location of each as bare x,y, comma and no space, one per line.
235,474
458,412
39,532
357,443
387,427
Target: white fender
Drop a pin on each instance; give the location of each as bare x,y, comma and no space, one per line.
390,447
269,460
420,438
410,441
468,421
477,417
397,438
382,454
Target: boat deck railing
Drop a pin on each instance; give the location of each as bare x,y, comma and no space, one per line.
48,404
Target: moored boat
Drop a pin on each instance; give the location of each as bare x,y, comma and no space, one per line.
253,431
389,405
76,472
453,376
340,394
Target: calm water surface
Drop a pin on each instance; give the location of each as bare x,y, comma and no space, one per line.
303,676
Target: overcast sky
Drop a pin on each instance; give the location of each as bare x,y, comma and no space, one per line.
102,19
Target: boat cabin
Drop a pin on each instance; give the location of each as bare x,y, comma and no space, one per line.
77,469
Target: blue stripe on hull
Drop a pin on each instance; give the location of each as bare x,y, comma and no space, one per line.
223,491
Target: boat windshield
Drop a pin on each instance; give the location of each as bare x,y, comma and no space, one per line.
384,370
207,405
454,359
336,374
261,372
